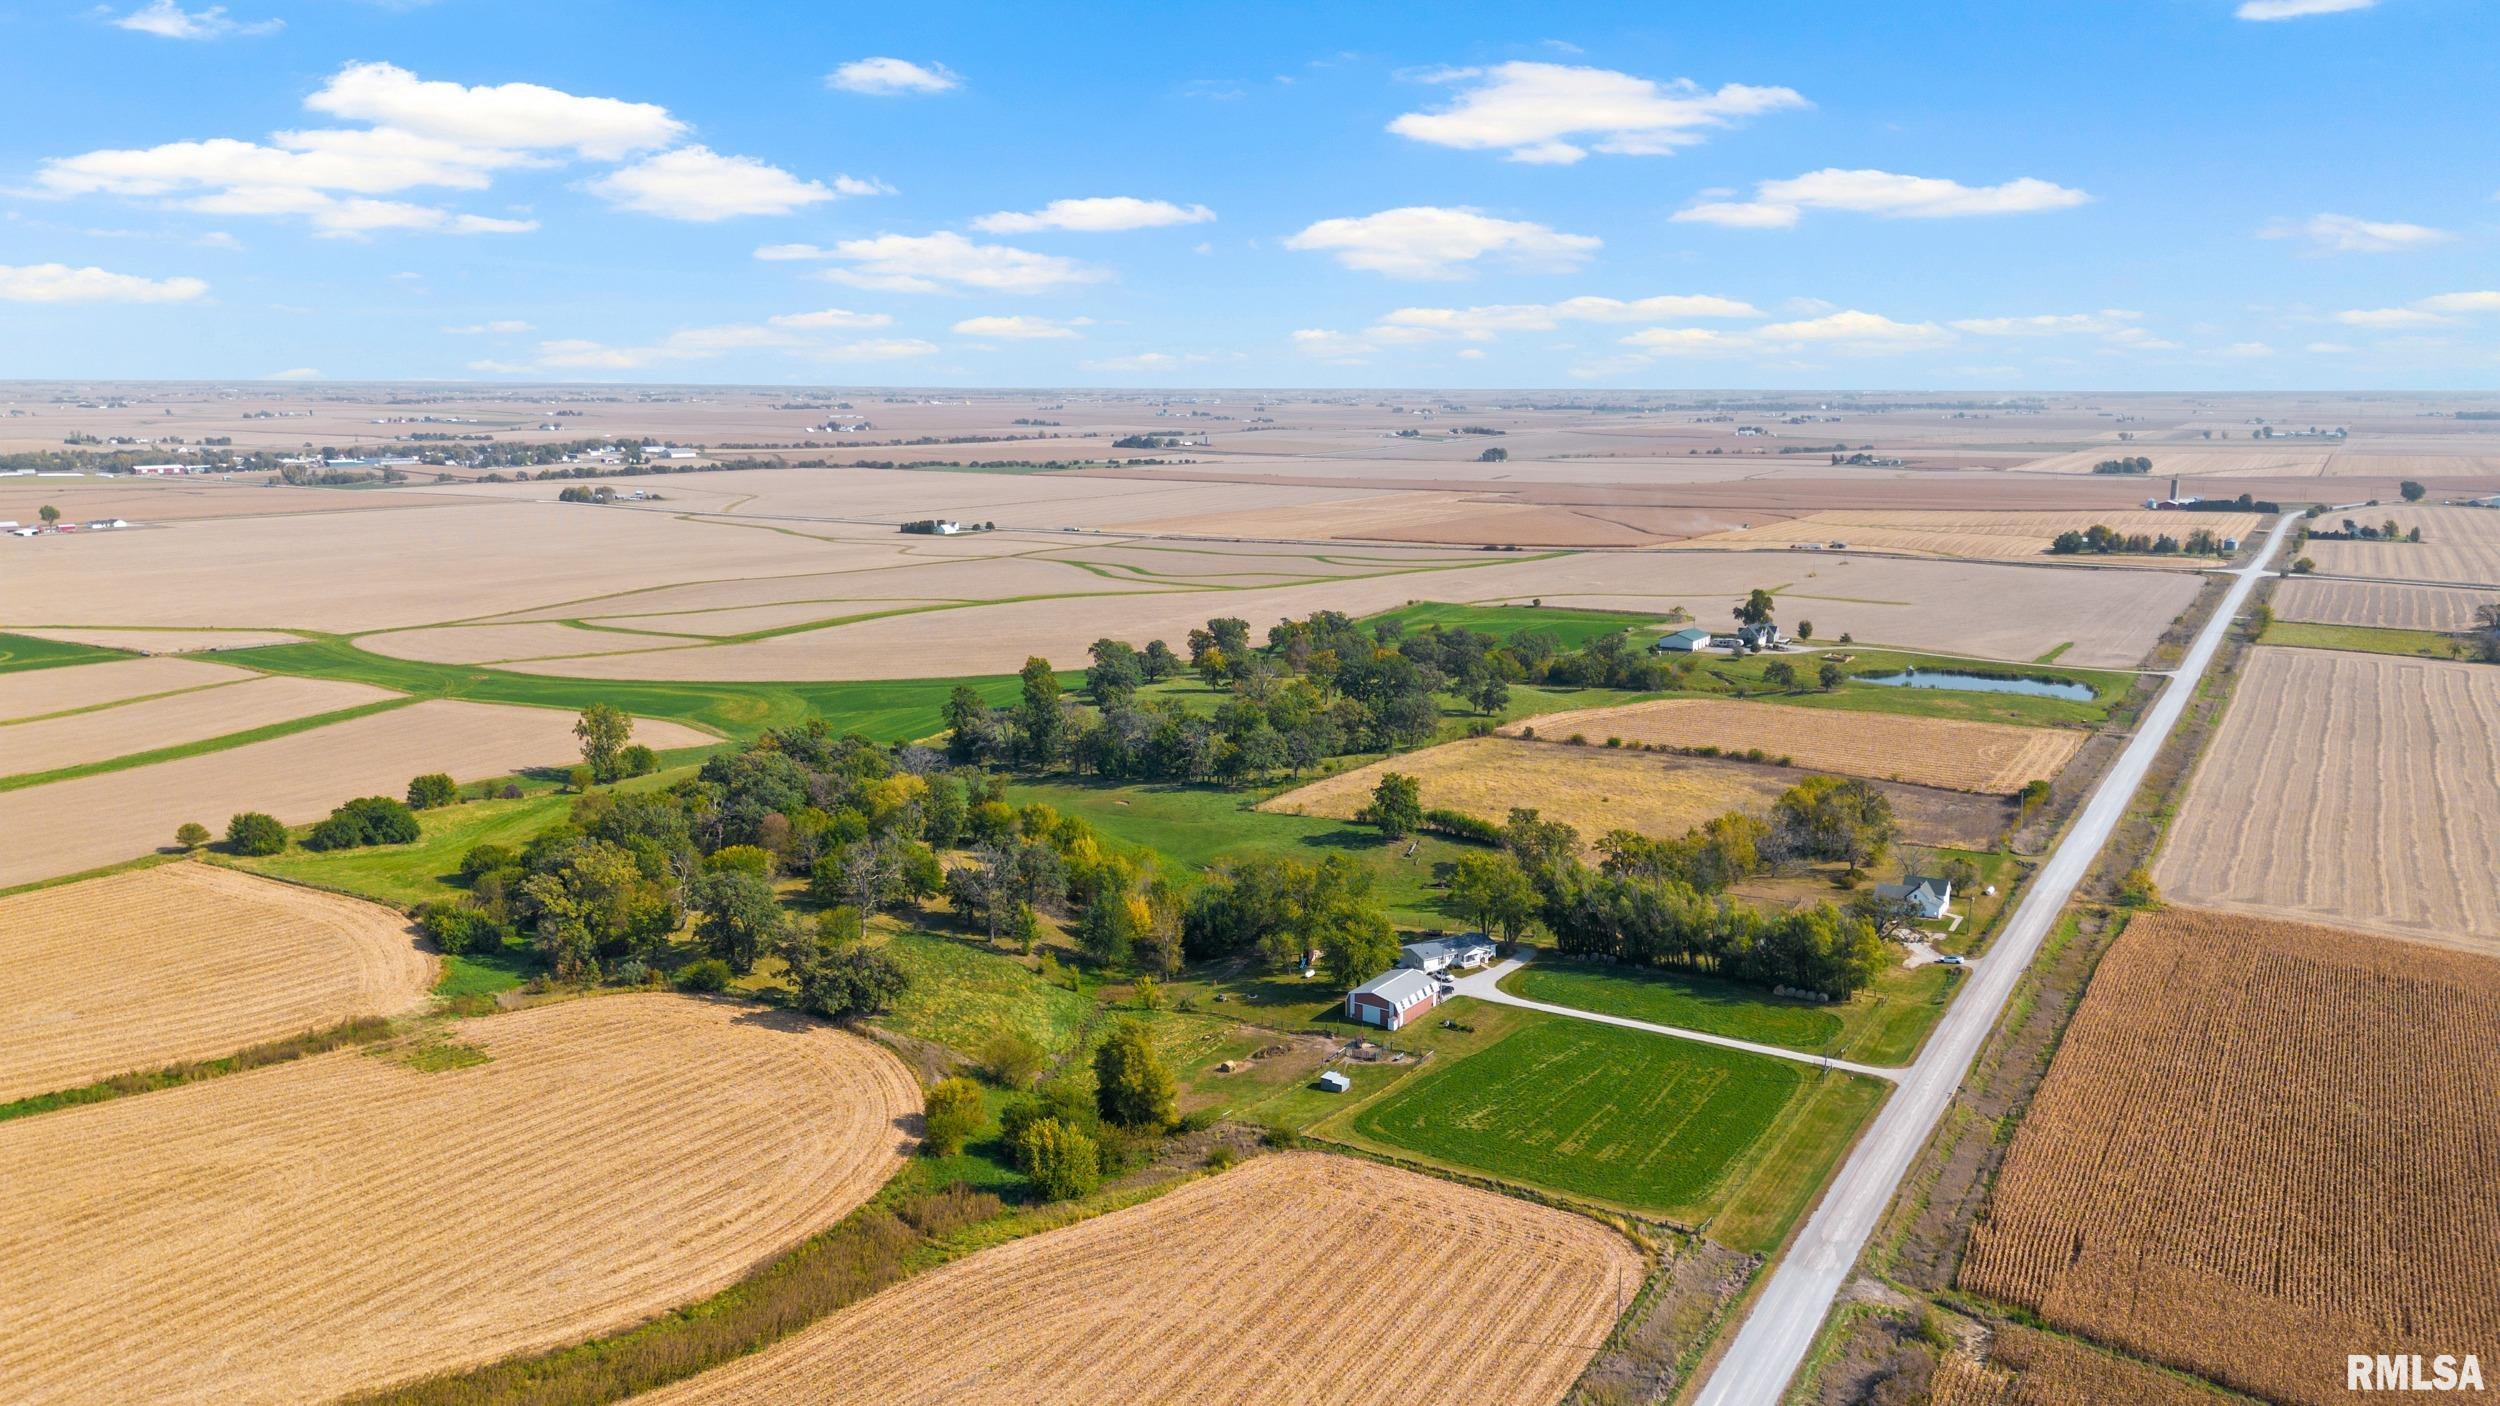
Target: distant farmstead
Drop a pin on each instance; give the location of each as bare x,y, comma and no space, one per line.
1393,998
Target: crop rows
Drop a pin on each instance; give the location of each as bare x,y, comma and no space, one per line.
350,1220
2263,1145
2352,789
186,961
1961,756
1297,1277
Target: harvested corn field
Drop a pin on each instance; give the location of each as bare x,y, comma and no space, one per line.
101,734
2354,789
303,1230
2262,1145
2459,545
1982,536
2027,1367
1960,756
187,961
1597,789
35,693
68,827
1259,1284
2316,600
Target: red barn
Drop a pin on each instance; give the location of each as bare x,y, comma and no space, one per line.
1393,998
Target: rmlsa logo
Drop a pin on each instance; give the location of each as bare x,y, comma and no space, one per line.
2385,1372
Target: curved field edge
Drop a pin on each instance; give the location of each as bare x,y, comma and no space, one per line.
1541,1287
835,1105
134,977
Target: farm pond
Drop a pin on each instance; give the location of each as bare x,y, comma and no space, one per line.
1982,683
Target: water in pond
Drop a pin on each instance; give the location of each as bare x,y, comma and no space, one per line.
1982,683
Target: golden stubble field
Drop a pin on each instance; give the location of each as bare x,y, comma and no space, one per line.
2262,1145
2353,789
2027,1367
1270,1282
2459,545
300,1231
1595,789
1959,756
1984,536
141,969
68,827
2446,609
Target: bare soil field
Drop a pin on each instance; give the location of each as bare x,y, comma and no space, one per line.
2257,460
1595,789
90,498
187,961
1424,516
2262,1145
1959,756
166,641
2445,609
128,728
2354,789
1218,1291
35,693
1981,536
2111,618
495,644
353,1219
68,827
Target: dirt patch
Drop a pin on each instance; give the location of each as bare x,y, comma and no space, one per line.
1960,756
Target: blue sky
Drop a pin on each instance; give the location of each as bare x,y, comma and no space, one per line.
2107,194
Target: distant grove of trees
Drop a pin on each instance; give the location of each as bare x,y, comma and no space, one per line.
2101,540
2130,465
1321,686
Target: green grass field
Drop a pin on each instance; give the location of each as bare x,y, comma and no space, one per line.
1191,827
962,997
20,652
2425,644
1644,1122
1881,1025
888,711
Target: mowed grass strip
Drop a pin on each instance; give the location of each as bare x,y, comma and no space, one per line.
1883,1025
1645,1122
19,652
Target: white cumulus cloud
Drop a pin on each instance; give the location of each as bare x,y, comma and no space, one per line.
1779,204
941,262
2345,234
516,116
830,319
2296,9
697,184
1433,242
887,77
1482,323
59,283
168,20
500,327
1019,329
1555,114
1095,215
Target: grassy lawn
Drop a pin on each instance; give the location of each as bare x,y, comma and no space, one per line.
1881,1025
1193,826
1644,1122
1299,1104
888,711
2426,644
19,652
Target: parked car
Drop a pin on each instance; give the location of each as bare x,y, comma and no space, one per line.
1947,959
